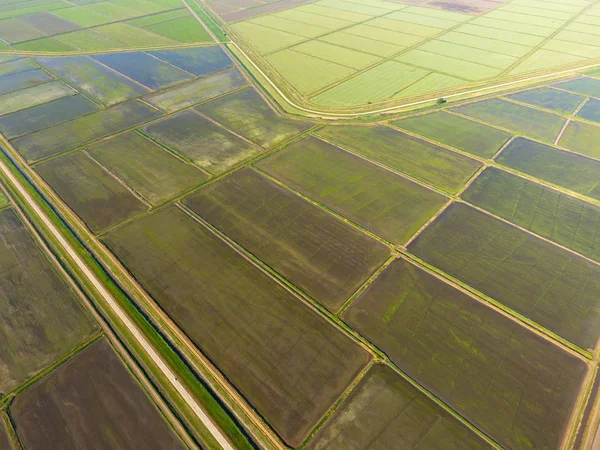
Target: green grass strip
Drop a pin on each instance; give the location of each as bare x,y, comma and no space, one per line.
209,21
171,355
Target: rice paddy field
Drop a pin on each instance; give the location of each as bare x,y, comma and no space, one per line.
424,280
346,54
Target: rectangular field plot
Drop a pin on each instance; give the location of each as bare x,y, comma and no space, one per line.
544,97
185,30
101,83
549,213
149,169
574,172
379,200
201,141
90,191
42,319
288,361
112,409
48,23
590,111
466,135
265,40
582,138
199,61
336,54
520,119
189,94
374,85
361,44
586,86
33,96
143,68
65,136
23,80
82,16
16,66
549,285
246,113
508,381
419,159
384,411
322,255
46,115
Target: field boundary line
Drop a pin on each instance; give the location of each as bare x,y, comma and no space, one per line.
124,318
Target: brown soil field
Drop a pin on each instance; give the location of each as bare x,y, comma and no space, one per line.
90,402
288,361
5,443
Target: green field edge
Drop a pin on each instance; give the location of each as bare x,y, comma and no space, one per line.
173,357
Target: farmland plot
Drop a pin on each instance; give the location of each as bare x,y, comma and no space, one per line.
246,113
506,380
199,61
419,159
582,138
101,83
568,170
466,135
289,362
145,69
201,141
23,80
146,167
188,94
5,441
16,66
520,119
186,30
379,200
319,253
91,401
42,319
45,115
544,97
545,283
590,111
90,191
33,96
549,213
386,412
75,133
589,87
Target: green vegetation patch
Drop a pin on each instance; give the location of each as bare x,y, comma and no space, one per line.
336,54
265,40
90,40
83,17
117,12
3,200
189,94
158,18
319,253
246,113
419,159
587,86
466,135
239,317
559,217
201,141
99,82
574,172
374,85
90,191
44,319
545,97
549,285
386,411
132,36
23,80
590,111
379,200
113,411
508,381
44,45
184,29
33,96
45,115
520,119
450,65
582,138
362,44
75,133
306,73
149,169
290,26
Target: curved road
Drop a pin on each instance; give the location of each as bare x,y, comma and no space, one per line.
123,317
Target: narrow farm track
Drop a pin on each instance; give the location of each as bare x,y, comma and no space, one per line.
123,317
